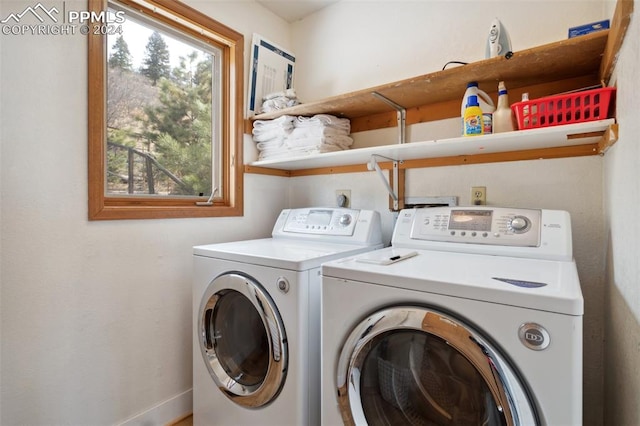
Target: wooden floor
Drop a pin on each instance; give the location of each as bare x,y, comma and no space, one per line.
187,421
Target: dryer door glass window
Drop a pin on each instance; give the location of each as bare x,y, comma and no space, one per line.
411,377
243,340
419,366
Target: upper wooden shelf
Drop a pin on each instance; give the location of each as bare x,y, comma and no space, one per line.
544,70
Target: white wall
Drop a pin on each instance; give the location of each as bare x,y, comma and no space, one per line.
622,207
356,44
95,316
353,45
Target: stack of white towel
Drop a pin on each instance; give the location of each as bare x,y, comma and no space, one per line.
289,136
279,100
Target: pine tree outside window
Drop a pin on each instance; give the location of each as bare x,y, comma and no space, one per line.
165,114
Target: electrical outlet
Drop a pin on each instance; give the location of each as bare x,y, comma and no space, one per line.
343,197
478,195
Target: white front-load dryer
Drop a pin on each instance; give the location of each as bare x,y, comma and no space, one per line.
256,317
472,317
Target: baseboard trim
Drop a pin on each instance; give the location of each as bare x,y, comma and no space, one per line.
180,420
166,413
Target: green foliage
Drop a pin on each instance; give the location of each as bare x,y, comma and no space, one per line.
180,127
156,62
117,158
172,130
121,57
174,156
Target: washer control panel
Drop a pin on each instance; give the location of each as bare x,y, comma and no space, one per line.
478,225
324,221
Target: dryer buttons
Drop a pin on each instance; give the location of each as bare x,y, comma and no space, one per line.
534,336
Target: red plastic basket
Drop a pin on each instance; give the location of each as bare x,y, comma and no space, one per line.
574,107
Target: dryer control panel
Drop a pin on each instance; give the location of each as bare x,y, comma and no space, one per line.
330,224
512,227
326,221
505,231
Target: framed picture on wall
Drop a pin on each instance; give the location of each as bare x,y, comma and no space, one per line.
272,71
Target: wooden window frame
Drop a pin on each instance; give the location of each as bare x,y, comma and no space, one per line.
105,207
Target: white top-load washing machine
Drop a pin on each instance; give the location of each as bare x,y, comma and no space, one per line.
472,317
256,317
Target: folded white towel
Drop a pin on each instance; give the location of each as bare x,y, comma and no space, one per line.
277,104
273,152
279,100
342,142
313,132
289,93
324,120
314,150
275,133
271,144
282,121
296,152
288,136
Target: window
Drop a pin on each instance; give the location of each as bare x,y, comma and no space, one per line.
165,112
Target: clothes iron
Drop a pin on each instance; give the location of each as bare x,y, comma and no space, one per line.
498,43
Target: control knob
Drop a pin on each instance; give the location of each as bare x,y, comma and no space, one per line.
345,220
519,224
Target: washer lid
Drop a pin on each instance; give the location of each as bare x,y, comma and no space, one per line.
280,252
543,285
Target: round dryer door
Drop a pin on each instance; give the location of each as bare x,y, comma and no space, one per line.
418,366
243,340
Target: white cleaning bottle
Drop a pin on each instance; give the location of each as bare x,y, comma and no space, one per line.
526,112
484,101
502,118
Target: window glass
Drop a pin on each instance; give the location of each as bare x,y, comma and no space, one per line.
165,113
160,93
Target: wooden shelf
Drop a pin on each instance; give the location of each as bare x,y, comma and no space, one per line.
544,70
541,71
569,140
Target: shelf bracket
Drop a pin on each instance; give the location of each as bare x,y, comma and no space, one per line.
609,137
393,192
401,114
